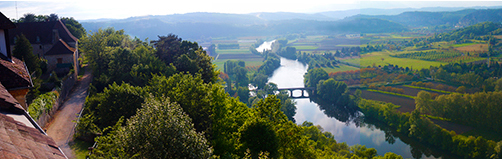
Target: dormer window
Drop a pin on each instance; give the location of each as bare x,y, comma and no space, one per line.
38,39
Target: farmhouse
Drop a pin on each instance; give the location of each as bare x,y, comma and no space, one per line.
50,40
20,135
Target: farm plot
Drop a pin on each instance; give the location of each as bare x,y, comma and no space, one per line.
245,57
407,104
413,91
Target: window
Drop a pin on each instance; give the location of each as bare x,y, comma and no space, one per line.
60,60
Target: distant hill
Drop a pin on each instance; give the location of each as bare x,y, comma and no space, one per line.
152,27
464,17
201,25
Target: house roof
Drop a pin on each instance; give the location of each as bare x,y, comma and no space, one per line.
41,32
7,102
5,23
14,74
20,141
60,48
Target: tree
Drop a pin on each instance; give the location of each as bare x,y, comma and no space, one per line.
160,129
123,98
24,51
191,93
314,75
331,90
75,28
259,136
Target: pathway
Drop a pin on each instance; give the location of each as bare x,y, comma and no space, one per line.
61,127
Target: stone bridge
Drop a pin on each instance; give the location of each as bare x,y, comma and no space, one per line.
303,89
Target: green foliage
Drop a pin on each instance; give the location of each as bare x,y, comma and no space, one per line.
186,56
158,125
42,104
482,107
123,98
259,136
271,63
318,60
74,27
24,51
315,75
191,93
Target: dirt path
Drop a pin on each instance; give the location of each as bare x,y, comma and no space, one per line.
61,127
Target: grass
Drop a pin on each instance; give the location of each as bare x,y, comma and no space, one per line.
391,93
220,63
464,44
341,68
376,58
233,51
79,148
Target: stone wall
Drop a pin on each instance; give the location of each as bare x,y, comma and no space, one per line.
66,86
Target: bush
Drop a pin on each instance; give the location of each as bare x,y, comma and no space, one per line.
42,104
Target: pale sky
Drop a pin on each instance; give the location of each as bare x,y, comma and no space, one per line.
93,9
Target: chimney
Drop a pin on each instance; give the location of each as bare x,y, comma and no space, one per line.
55,36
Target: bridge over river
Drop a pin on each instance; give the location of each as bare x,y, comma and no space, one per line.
303,89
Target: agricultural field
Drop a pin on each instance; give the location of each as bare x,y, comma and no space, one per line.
340,68
407,104
376,58
242,53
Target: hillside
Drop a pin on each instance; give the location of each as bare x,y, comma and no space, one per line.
464,17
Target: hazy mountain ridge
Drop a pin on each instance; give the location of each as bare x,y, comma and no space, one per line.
464,17
199,25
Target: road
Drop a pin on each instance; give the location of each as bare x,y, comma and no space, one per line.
61,127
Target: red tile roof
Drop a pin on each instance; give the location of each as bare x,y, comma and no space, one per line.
9,103
20,141
42,30
14,74
60,48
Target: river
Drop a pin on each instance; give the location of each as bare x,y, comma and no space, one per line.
378,136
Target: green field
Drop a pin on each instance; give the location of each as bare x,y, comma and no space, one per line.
233,51
341,68
220,63
376,58
464,44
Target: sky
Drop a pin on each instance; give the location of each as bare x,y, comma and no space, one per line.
93,9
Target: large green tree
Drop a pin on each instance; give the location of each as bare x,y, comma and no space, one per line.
160,129
75,28
186,56
24,51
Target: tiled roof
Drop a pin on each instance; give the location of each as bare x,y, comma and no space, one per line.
20,141
7,102
5,23
60,48
41,32
14,74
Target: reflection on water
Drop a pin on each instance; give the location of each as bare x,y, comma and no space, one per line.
346,125
267,45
